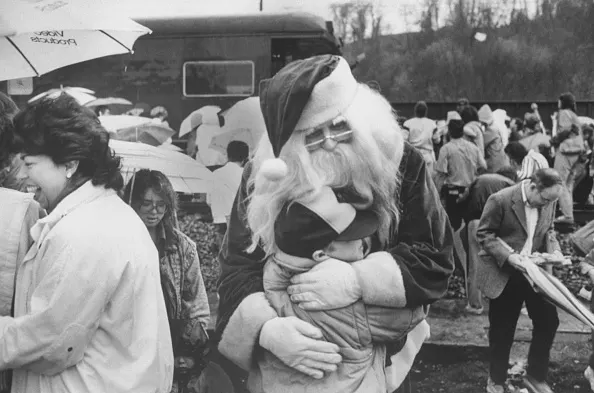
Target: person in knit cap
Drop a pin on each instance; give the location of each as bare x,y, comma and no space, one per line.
309,231
494,154
326,129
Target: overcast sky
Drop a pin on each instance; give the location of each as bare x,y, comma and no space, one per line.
393,10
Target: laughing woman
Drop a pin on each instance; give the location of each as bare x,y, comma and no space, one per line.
89,314
151,195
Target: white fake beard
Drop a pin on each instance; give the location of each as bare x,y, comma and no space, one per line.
363,172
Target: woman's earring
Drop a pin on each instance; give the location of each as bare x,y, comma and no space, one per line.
68,175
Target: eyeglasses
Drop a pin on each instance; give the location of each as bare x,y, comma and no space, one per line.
337,130
148,205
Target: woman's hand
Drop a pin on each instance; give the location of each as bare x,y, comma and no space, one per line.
299,345
329,285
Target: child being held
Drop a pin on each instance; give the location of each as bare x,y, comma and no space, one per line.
308,232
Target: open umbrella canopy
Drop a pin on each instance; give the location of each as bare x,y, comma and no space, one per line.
80,94
114,123
107,101
137,129
243,122
152,133
37,37
186,175
205,115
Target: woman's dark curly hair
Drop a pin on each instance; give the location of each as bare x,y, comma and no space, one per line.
63,130
145,180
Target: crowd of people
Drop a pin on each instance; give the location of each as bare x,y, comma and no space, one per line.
499,184
341,234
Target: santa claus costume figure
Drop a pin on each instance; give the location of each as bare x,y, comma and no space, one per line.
326,129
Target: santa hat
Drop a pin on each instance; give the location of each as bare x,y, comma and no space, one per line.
303,95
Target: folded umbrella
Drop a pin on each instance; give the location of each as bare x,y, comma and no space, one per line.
557,294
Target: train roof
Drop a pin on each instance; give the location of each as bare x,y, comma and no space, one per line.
249,24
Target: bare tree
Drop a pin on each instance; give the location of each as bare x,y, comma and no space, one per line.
357,21
342,13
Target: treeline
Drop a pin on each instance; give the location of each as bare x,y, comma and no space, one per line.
526,55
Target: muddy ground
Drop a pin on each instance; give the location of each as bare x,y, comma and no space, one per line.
465,369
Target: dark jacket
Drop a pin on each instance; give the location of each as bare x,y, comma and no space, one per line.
422,244
480,190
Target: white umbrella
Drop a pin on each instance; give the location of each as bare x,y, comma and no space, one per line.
113,123
243,122
186,174
170,146
108,101
37,37
205,115
80,94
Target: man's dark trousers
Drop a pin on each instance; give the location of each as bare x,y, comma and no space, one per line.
504,312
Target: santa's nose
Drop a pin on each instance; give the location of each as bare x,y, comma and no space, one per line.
330,144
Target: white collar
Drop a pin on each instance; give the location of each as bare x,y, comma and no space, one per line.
524,196
79,197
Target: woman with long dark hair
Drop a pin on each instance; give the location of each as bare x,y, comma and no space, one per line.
151,195
89,314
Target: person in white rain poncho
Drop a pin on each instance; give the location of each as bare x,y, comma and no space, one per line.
89,314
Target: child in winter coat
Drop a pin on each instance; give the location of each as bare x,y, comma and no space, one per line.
308,232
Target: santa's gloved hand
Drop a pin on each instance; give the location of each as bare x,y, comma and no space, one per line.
300,345
329,285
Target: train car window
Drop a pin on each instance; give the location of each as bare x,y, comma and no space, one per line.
218,78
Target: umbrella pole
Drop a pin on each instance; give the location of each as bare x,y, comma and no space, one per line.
132,187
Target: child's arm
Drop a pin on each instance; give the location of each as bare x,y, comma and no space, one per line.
276,280
387,324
